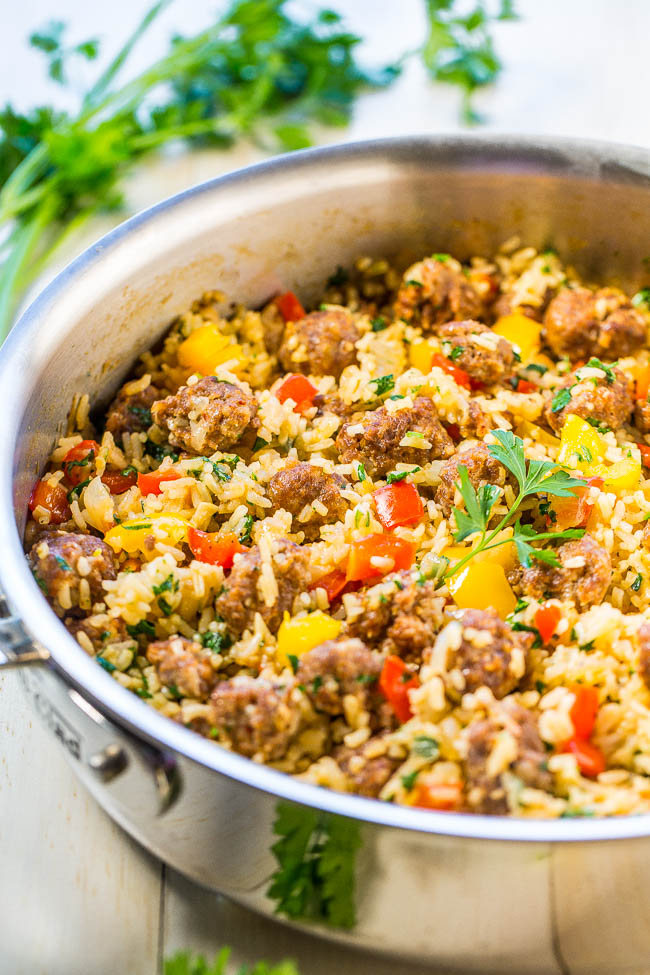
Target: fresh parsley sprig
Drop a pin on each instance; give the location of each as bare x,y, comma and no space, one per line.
185,963
533,477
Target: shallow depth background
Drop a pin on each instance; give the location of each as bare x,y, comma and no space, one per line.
77,896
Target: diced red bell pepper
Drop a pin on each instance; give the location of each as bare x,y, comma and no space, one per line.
150,483
442,796
589,757
78,459
299,389
574,511
290,307
643,385
398,504
395,681
525,386
547,618
55,499
365,549
118,482
215,548
584,709
645,454
458,375
333,583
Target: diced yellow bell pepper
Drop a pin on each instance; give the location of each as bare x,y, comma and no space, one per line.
483,585
527,429
624,475
581,446
522,331
206,348
420,355
130,535
503,556
297,636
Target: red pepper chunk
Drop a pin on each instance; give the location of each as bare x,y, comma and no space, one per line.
398,504
290,307
118,482
150,483
395,681
53,498
458,375
584,709
574,511
547,618
333,583
644,450
442,796
299,389
78,460
215,548
363,550
589,757
525,386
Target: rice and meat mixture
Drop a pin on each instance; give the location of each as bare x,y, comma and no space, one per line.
396,545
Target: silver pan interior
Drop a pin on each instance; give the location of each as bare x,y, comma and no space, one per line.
286,224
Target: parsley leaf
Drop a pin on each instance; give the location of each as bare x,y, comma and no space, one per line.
316,855
595,363
479,506
378,324
384,384
394,476
426,747
184,963
561,398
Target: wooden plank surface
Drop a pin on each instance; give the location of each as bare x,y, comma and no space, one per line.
77,897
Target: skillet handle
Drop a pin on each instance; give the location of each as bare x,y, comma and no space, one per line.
17,649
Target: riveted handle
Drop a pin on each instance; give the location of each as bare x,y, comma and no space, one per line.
17,649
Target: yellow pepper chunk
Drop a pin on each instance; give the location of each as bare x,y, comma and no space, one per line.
527,429
130,535
297,636
483,585
503,556
522,331
420,355
206,348
581,446
624,475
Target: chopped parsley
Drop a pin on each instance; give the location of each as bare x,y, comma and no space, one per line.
339,277
456,353
106,664
595,363
170,584
142,413
143,628
414,283
259,444
75,492
426,747
408,780
164,606
524,628
360,471
642,297
293,660
597,424
160,450
536,367
443,258
62,564
393,476
636,585
384,384
378,324
245,536
174,691
560,400
217,642
366,678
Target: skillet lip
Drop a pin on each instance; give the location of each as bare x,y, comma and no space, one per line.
586,159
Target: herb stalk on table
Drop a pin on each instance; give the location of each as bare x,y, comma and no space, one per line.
534,477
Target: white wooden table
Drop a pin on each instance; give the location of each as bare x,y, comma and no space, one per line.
77,896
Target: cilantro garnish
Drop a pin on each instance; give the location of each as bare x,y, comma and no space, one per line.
533,477
316,855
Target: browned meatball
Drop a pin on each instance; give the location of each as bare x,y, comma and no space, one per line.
273,323
210,415
70,569
476,423
379,444
642,416
486,364
241,597
583,576
101,635
433,292
401,620
337,668
254,717
183,666
368,767
605,400
131,413
580,323
299,486
485,791
482,468
480,650
644,653
320,344
505,305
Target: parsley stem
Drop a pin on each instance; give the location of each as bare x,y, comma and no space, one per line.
484,543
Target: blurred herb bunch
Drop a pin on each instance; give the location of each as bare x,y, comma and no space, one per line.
257,72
